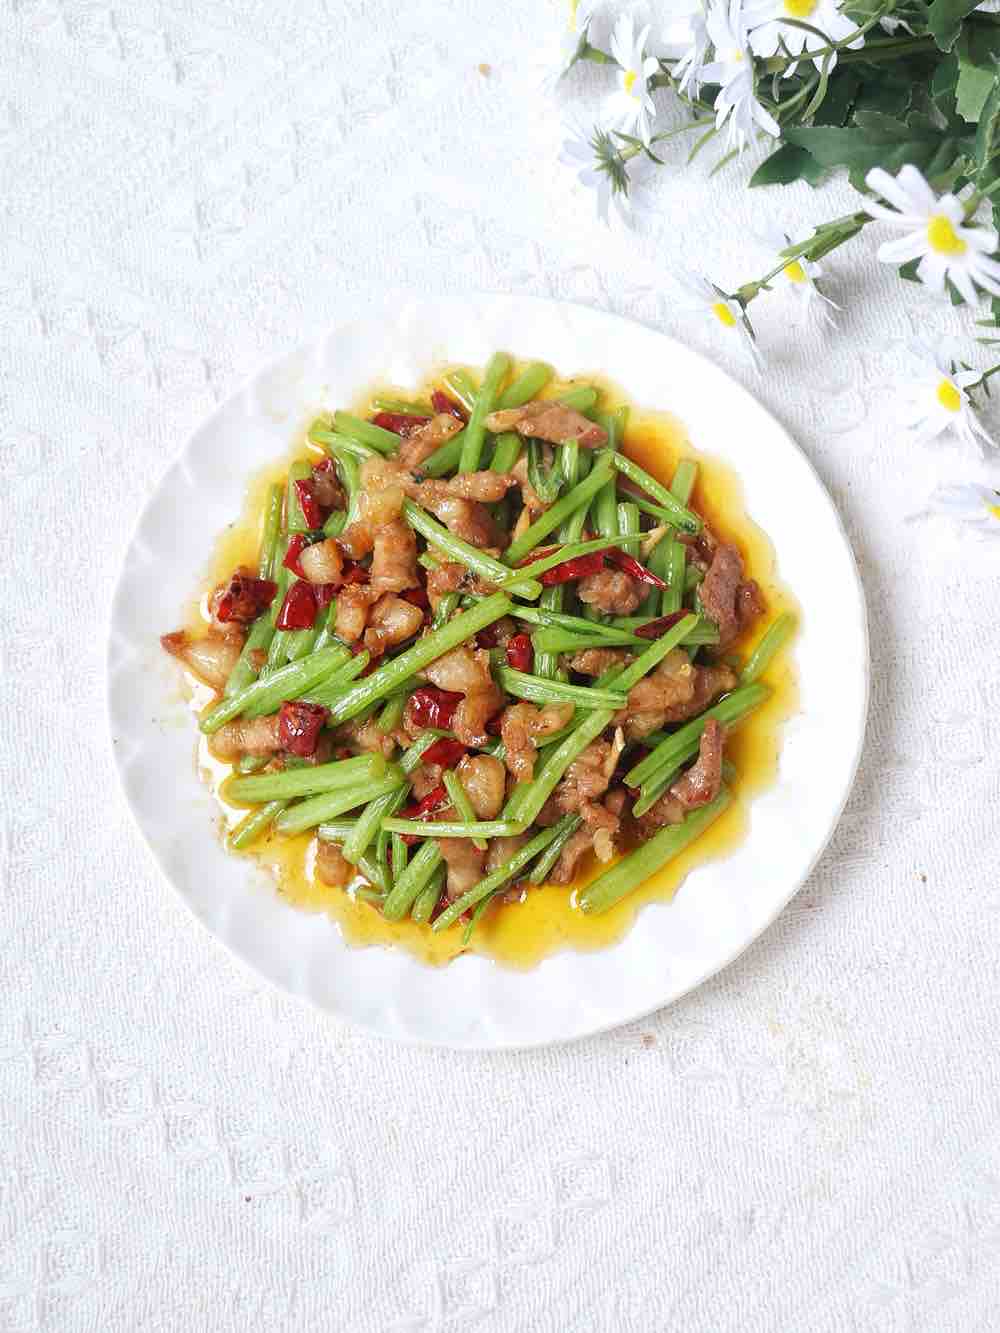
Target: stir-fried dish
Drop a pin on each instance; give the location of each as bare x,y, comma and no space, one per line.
482,650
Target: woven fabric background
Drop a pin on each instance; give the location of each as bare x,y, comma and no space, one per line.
810,1142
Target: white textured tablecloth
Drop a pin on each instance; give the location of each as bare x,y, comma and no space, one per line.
811,1142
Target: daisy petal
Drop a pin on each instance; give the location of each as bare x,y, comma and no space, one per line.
902,250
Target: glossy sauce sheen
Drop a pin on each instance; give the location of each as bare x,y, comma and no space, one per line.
546,920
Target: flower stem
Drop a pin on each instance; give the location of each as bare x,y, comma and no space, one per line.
891,49
828,236
595,54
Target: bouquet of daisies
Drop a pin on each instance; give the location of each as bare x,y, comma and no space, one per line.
904,95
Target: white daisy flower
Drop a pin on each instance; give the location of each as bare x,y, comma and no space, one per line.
773,35
573,37
936,398
630,108
802,275
728,25
968,502
685,40
600,166
707,299
936,234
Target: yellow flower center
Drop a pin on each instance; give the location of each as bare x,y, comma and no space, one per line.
995,511
723,314
629,82
943,238
574,5
800,9
794,272
735,54
948,396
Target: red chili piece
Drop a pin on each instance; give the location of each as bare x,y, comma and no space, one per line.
354,573
656,628
399,423
520,652
431,707
324,594
631,566
312,510
295,548
442,403
416,597
245,598
430,804
573,569
298,611
299,725
444,751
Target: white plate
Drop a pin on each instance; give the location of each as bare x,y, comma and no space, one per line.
472,1002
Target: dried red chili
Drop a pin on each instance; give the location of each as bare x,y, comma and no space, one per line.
570,570
298,611
325,593
244,598
399,423
430,707
354,573
295,548
416,597
441,402
656,628
312,510
632,567
429,805
520,652
444,751
299,725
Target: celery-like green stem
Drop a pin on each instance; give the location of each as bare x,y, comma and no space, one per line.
475,430
498,877
634,869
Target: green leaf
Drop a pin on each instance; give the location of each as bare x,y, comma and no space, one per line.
891,88
787,164
974,86
988,139
841,93
877,140
943,84
944,20
977,53
908,271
